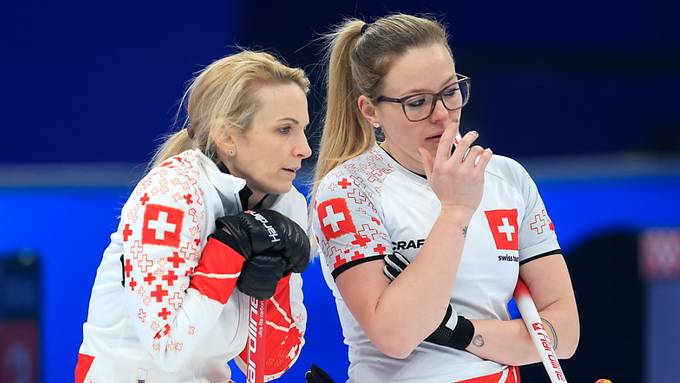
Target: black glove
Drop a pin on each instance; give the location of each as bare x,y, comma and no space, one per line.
454,331
317,375
260,276
272,244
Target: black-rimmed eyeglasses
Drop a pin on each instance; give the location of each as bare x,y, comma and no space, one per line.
418,107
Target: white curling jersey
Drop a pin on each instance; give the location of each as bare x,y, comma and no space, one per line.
371,206
163,308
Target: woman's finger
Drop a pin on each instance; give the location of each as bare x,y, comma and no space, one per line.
445,144
470,158
464,145
427,161
484,159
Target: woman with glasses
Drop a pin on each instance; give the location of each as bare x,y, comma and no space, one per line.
424,234
214,222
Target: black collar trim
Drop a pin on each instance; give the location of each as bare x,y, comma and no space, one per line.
395,160
243,194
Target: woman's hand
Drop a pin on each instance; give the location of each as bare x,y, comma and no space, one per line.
457,178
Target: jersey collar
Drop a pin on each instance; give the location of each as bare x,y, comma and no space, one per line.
244,193
388,157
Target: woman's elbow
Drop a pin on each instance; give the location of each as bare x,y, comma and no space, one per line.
570,345
395,346
567,352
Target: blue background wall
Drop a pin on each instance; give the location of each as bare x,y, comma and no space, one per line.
85,82
89,84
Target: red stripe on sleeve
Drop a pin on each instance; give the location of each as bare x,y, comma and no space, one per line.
217,271
214,288
218,258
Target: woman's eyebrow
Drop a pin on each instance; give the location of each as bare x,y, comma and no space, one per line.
412,91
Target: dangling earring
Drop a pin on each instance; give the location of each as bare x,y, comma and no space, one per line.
379,135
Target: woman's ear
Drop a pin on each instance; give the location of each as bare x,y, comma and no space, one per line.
226,139
368,110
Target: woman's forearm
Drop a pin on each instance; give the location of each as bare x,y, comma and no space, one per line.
509,342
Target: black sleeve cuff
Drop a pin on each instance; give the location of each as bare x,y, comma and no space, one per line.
457,338
351,264
551,252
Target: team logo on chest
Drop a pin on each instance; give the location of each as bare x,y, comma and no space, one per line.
503,225
334,218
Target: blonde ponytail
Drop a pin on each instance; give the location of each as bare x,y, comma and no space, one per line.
346,134
174,144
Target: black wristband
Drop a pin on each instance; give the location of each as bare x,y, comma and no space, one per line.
462,334
458,338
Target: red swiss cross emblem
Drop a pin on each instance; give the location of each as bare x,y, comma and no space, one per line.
162,225
503,225
334,218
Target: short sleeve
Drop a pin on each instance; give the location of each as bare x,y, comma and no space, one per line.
347,223
536,230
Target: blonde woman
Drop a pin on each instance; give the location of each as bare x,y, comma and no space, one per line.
424,240
214,221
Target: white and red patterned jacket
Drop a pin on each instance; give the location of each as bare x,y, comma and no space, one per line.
163,306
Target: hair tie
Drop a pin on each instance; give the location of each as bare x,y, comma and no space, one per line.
364,28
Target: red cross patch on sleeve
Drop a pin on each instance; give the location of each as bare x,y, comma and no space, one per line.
503,225
162,225
334,218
